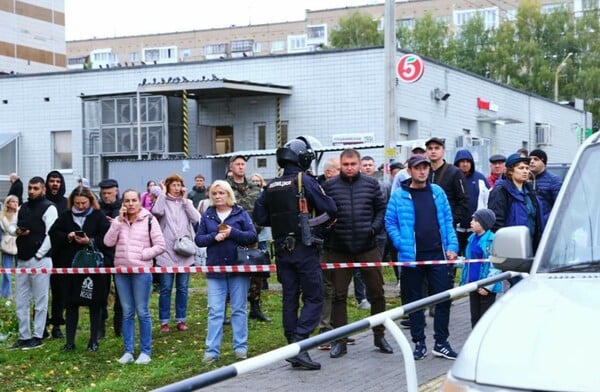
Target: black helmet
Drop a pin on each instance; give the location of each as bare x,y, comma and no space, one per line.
297,151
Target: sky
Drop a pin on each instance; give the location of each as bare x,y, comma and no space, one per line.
112,18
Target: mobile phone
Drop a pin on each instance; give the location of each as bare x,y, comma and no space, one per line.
80,233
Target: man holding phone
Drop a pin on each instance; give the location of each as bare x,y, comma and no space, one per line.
35,218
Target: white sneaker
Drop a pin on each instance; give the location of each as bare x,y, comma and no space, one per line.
143,359
126,358
364,305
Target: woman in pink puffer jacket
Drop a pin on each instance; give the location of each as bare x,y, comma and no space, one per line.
137,239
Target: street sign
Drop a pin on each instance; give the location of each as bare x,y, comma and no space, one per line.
410,68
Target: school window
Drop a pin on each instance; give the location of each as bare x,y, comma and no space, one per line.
261,138
62,148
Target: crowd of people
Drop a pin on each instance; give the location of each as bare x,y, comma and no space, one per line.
429,210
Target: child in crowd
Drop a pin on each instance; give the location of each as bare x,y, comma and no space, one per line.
479,246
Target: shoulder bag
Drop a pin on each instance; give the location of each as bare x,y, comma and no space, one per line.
252,256
184,246
89,257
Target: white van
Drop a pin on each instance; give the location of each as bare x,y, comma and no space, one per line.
544,333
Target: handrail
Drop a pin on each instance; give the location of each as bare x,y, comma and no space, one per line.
384,318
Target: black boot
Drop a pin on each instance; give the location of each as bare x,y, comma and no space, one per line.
256,313
303,359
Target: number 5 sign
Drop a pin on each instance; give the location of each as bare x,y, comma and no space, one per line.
410,68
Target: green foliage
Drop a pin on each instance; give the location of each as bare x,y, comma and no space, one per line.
524,53
356,30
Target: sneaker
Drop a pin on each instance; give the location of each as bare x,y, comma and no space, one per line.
126,358
364,305
209,358
33,344
420,351
350,341
143,359
325,347
181,326
405,324
444,350
164,328
241,354
19,344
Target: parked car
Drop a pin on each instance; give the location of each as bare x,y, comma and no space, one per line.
542,335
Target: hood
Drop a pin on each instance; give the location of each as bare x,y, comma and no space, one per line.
63,187
465,154
542,332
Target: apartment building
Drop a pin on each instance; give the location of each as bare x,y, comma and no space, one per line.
32,36
306,35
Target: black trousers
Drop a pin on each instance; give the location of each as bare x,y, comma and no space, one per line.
59,295
479,304
73,320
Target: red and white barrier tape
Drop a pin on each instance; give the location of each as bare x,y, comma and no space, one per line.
228,268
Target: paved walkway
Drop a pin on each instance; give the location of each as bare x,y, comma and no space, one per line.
364,368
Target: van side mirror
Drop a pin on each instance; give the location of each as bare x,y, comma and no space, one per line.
512,249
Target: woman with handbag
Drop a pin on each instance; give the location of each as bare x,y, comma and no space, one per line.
176,215
8,245
137,240
224,227
81,226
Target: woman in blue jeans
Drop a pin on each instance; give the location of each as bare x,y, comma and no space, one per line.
176,215
225,226
137,239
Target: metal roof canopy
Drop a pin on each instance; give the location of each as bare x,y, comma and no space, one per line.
215,88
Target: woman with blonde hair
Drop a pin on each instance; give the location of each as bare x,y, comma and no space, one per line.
176,215
224,226
8,217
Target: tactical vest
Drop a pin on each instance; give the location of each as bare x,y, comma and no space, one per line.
282,199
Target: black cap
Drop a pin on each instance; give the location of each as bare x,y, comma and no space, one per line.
417,159
396,165
497,158
437,140
108,183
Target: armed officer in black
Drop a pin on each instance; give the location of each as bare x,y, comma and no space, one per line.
297,257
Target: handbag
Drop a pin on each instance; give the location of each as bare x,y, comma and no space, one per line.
184,246
252,256
9,244
89,257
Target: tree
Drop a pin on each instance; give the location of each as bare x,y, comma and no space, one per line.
356,30
428,37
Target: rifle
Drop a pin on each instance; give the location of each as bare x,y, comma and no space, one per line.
303,214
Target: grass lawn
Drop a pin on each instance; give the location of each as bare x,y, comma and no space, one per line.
176,355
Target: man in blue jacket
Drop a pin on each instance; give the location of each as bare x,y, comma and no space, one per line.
477,189
546,184
419,222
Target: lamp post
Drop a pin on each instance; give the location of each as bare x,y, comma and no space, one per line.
558,69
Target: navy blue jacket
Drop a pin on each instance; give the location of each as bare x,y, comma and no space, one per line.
547,186
509,205
471,183
223,253
361,209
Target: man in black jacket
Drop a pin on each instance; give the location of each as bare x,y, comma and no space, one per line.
55,192
361,208
16,187
35,218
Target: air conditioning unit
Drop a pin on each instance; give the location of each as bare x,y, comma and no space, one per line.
543,134
464,141
352,138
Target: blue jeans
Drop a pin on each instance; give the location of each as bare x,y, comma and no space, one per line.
134,294
360,291
412,279
218,288
8,261
182,281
